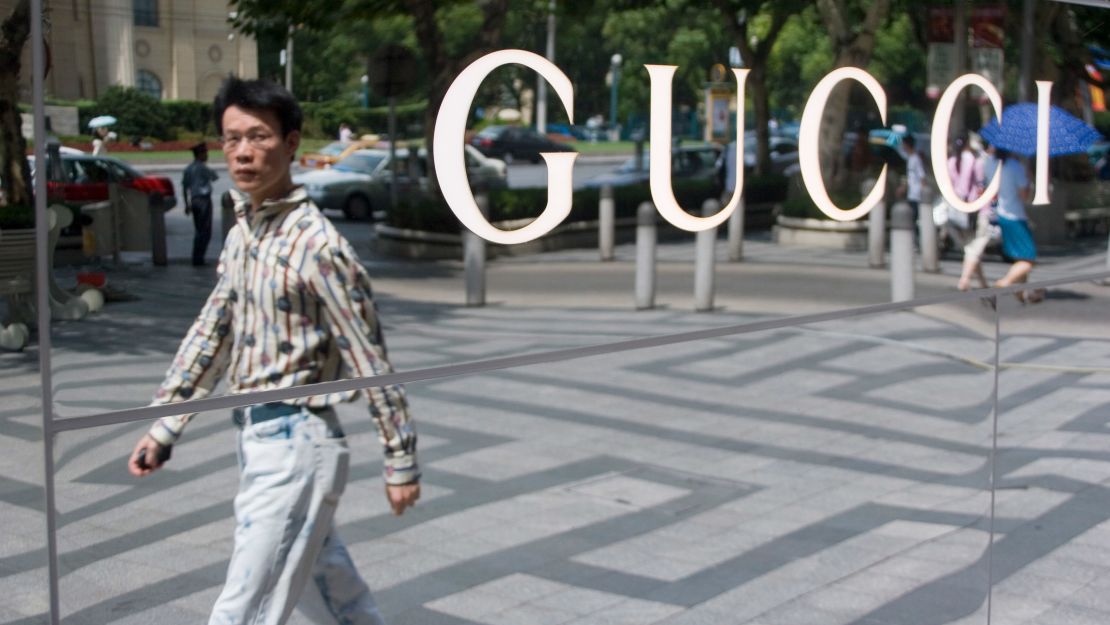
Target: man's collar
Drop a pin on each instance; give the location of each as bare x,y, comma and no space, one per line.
269,208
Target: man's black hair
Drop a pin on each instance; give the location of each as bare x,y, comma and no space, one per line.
910,141
258,95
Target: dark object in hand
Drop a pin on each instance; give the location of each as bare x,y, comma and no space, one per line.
163,455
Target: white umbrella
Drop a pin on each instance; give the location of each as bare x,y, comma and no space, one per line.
102,120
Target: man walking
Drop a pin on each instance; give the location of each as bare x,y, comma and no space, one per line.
196,184
292,306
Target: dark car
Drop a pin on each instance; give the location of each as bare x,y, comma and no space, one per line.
84,178
687,162
510,143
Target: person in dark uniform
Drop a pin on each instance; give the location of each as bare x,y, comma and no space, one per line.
196,184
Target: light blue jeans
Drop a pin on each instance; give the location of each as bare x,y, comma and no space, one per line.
287,554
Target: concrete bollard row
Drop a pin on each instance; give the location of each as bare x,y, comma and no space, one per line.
606,223
646,237
876,230
704,260
474,259
901,252
930,257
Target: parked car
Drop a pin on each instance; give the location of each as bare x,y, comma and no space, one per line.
358,185
687,162
85,178
336,151
784,153
515,142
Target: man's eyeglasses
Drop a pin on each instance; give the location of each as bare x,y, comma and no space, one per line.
253,139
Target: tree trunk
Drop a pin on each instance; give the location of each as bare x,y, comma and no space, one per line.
430,38
757,82
14,169
853,49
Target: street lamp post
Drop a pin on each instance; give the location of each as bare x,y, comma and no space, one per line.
615,78
365,90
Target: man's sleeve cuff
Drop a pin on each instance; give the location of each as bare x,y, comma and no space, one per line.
163,434
401,469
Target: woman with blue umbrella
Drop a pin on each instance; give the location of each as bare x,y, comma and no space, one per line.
1017,239
1017,134
101,135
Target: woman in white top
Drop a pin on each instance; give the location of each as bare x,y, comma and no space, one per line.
100,141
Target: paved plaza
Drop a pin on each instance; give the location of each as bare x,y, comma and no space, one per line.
829,473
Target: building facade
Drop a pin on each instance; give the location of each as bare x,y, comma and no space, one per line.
171,49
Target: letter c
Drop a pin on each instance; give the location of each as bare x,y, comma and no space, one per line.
450,162
810,130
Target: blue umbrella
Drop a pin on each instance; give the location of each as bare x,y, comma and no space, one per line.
1067,134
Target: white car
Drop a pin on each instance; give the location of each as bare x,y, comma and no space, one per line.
358,185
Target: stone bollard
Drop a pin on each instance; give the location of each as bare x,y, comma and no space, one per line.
1107,280
704,260
901,252
876,230
645,256
606,222
735,229
474,259
158,232
930,260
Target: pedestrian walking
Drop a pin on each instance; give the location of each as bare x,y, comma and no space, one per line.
196,184
346,135
292,306
915,173
966,171
1017,239
100,141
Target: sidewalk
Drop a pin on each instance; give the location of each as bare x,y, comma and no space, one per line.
829,474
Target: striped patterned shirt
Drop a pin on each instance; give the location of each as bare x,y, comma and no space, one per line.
292,306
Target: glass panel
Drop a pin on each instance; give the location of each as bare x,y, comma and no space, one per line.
831,473
1052,462
837,472
23,553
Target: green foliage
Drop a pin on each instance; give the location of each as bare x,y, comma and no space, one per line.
15,217
1102,123
804,53
138,113
432,214
801,205
766,189
322,119
190,116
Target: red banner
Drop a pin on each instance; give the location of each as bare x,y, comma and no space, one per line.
988,26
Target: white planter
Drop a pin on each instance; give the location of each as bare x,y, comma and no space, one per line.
804,232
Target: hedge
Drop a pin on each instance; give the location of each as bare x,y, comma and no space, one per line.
140,115
322,119
431,214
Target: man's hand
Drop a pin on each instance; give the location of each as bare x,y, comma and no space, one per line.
150,460
401,496
188,210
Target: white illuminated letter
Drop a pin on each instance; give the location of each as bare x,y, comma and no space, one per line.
938,142
450,162
808,134
1044,106
662,193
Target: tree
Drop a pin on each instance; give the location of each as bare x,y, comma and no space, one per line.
852,30
428,18
15,173
755,50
